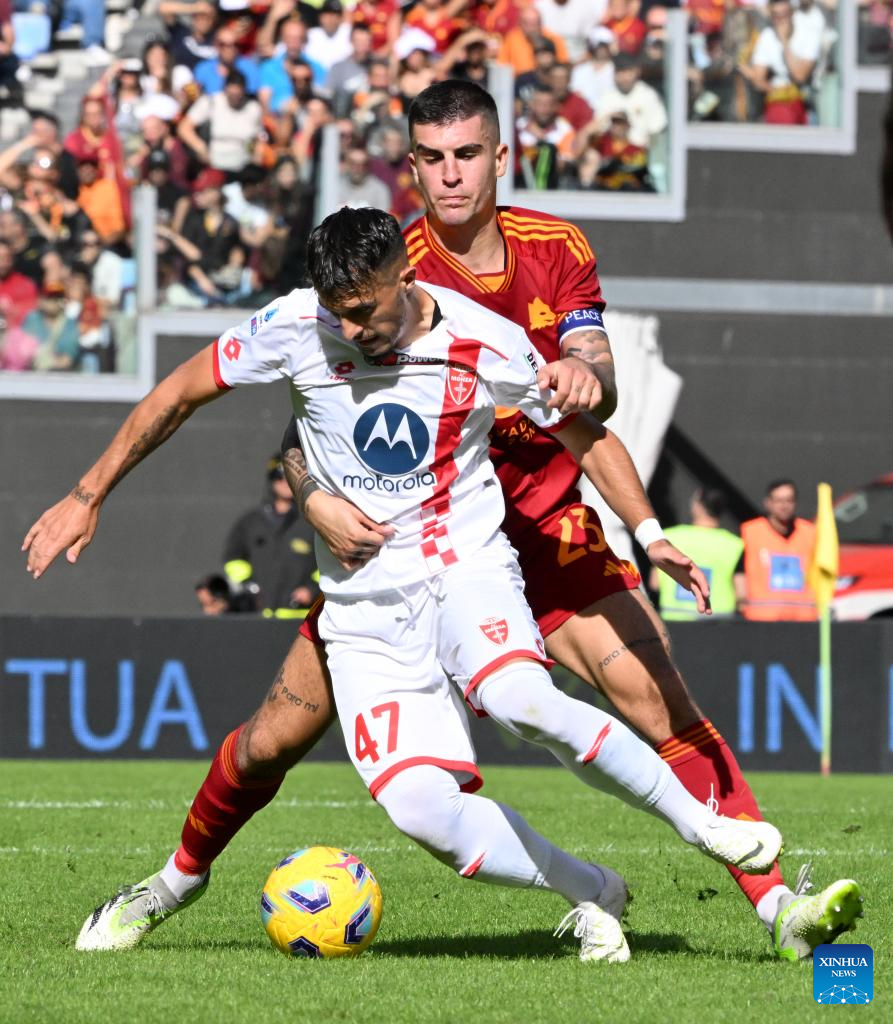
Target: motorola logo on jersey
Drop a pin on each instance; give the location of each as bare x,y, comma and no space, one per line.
391,439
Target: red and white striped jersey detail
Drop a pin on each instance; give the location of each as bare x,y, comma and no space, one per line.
458,402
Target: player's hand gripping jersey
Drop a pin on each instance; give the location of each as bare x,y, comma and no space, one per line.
403,437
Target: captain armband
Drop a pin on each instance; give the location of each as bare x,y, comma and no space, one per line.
580,320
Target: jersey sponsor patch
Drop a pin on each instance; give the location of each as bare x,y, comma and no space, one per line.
495,630
391,439
579,320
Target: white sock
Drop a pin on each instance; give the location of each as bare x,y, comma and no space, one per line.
596,747
179,883
480,838
767,905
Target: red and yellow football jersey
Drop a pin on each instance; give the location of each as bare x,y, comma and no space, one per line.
550,271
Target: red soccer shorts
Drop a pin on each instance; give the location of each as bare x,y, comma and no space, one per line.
567,566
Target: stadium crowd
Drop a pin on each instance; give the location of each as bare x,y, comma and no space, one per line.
223,108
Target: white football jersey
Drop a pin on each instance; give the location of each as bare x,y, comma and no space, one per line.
403,437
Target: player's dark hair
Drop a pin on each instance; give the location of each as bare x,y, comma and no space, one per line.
773,485
713,500
350,248
446,102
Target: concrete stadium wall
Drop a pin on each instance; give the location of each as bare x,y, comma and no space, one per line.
125,688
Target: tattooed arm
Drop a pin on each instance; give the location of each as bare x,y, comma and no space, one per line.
594,349
351,536
70,524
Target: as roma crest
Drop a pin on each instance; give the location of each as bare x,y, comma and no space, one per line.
460,384
495,630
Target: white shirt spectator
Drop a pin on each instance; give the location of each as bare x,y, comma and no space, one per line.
644,108
769,51
573,20
592,81
233,131
371,191
249,215
327,50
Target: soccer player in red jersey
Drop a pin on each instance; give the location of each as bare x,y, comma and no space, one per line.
593,618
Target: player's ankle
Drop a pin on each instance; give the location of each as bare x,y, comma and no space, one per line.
182,883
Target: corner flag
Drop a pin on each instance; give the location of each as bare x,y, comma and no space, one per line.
823,579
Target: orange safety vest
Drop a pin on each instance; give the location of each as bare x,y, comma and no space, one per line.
775,568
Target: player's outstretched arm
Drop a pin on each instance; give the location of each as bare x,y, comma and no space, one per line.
351,536
70,524
607,465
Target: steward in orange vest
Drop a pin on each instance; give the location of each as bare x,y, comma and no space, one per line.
778,550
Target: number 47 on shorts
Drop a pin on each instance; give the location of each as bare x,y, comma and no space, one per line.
366,746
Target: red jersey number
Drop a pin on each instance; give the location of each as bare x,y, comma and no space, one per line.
364,744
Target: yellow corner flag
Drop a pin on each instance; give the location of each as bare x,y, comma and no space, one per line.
823,571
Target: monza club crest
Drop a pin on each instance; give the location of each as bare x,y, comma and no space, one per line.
495,630
460,384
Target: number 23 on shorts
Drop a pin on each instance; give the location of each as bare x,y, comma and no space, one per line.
365,745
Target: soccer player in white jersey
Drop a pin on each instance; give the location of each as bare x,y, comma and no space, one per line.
394,387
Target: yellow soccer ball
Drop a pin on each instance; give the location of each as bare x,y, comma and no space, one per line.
321,902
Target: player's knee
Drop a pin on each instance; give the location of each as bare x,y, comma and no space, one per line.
521,698
424,803
265,751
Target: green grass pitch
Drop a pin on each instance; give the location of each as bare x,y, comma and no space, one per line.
448,950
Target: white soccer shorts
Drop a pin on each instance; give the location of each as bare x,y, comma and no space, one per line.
392,658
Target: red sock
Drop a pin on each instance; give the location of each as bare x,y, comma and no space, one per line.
221,807
701,759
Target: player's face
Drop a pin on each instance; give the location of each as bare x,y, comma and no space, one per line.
377,320
456,167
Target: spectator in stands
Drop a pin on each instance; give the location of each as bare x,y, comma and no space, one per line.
106,270
571,105
212,75
360,188
234,123
55,333
9,62
623,166
383,19
95,137
778,550
18,293
158,140
714,550
317,113
278,74
439,20
172,201
96,352
351,75
629,29
293,110
244,201
26,251
379,102
415,71
90,14
467,58
44,134
190,45
781,65
210,233
641,104
517,45
162,77
213,595
595,77
127,97
329,41
573,20
545,138
272,546
100,200
393,168
55,218
526,84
